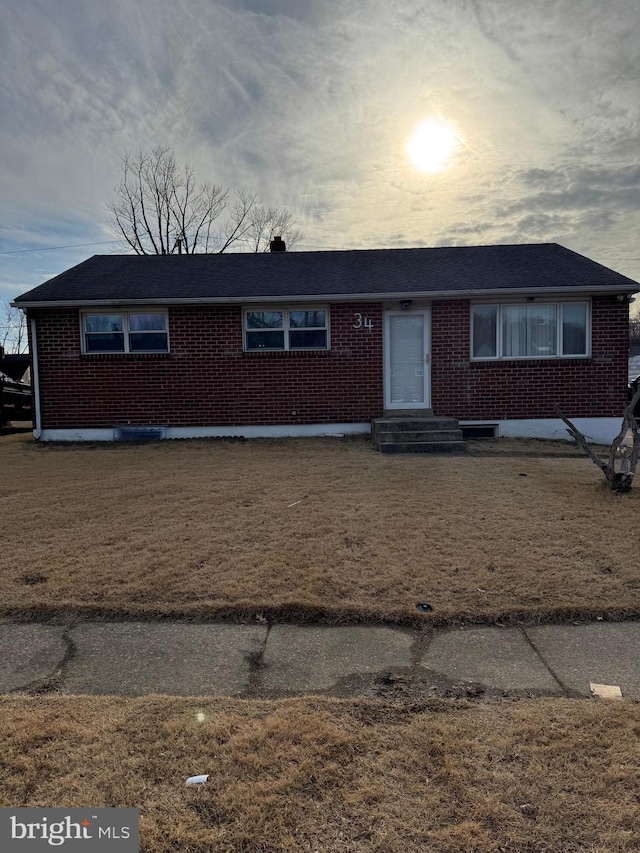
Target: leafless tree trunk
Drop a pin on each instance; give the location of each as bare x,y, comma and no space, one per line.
620,467
160,209
13,330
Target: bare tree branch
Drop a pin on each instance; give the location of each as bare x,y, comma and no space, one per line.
13,330
619,470
159,208
266,223
581,441
207,205
239,222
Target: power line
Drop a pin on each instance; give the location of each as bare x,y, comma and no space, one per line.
54,248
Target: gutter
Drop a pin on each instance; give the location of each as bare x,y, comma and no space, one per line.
331,297
35,380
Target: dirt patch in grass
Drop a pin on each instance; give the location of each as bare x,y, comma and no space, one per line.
316,529
331,775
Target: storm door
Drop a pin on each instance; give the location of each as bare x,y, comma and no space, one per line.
407,360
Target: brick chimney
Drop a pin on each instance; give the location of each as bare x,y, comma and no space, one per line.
278,245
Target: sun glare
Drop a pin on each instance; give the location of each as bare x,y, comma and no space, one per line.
432,145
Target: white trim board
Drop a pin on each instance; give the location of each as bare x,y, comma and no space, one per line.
249,431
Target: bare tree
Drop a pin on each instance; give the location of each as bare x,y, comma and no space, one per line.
13,330
160,209
620,467
265,223
634,331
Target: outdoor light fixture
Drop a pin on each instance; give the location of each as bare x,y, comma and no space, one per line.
405,304
624,297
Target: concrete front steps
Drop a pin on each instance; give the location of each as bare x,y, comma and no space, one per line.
425,434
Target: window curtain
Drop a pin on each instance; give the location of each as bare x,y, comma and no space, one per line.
529,330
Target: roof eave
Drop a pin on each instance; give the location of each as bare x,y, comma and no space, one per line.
332,297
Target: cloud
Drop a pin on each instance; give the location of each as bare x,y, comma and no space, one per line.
310,102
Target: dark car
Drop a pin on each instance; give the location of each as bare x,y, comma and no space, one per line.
15,400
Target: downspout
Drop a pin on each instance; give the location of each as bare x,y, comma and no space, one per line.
35,379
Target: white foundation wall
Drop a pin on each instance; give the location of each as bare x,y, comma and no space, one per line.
251,431
595,430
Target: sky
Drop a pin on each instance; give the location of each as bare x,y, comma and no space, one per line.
310,103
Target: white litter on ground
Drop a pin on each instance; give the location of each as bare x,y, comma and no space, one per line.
197,780
605,691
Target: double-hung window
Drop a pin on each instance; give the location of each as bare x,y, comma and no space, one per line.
125,331
286,329
530,330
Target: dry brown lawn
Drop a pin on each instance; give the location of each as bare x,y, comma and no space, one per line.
310,529
330,775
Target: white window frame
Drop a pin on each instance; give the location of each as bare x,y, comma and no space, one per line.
285,310
125,330
558,304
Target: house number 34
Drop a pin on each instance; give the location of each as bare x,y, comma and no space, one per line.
362,322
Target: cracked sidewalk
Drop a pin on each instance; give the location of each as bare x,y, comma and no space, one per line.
273,660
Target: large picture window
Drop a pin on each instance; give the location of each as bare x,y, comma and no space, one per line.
286,329
530,330
128,331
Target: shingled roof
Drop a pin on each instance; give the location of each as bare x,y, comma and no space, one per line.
358,274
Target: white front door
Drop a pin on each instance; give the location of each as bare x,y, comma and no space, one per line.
407,373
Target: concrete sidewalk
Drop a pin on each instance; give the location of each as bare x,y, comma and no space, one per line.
260,661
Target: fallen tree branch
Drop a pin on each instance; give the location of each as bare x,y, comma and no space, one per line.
619,457
581,440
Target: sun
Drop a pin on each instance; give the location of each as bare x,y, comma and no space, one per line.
432,145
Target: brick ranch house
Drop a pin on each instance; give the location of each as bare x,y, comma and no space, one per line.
318,343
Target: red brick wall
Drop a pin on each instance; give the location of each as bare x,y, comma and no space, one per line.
484,390
206,379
